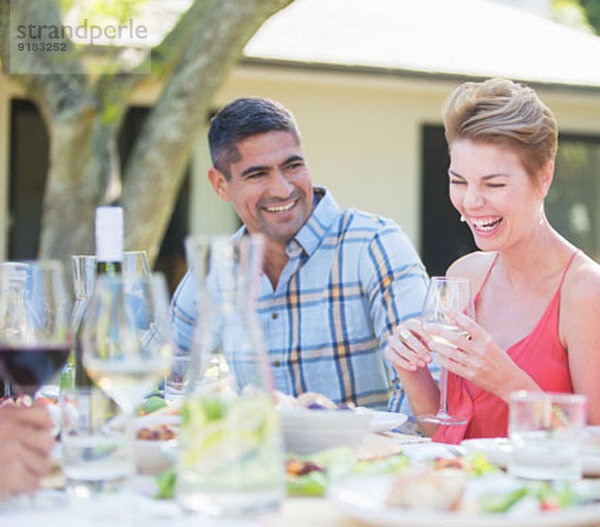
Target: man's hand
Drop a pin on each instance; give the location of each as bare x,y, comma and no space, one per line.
25,445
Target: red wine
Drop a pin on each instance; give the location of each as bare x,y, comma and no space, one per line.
32,366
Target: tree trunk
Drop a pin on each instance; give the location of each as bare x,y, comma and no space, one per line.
83,116
155,172
82,161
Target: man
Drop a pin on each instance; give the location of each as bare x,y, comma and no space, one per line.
336,281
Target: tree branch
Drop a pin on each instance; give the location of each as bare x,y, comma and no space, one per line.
53,90
162,59
170,131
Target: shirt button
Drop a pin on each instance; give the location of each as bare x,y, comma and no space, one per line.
274,316
277,363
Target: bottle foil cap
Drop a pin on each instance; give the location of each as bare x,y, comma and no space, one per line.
109,234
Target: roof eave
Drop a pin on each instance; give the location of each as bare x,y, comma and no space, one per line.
403,73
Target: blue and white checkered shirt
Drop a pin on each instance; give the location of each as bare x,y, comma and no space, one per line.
350,279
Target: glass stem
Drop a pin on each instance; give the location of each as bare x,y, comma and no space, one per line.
130,438
443,392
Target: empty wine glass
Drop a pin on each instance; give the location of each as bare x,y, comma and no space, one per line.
35,336
444,294
135,264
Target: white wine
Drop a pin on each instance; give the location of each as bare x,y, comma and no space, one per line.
449,327
128,380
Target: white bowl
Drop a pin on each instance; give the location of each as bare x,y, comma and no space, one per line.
150,458
306,431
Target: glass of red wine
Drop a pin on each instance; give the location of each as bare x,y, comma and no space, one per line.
35,336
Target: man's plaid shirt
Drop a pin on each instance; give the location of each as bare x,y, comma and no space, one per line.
351,278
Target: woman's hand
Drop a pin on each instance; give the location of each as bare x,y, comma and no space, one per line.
25,445
474,355
408,348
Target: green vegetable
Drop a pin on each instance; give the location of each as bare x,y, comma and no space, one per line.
312,484
151,405
338,463
501,502
561,496
388,465
480,465
166,485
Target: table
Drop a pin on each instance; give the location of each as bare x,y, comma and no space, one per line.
54,509
295,512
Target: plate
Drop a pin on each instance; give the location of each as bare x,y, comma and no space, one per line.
363,498
497,450
307,431
385,421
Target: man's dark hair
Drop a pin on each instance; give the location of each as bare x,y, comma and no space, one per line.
241,119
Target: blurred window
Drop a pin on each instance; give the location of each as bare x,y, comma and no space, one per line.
28,179
573,202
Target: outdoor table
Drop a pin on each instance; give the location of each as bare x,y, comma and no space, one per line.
54,509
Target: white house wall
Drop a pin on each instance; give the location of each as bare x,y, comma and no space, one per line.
361,135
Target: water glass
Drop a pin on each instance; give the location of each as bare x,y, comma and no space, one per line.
545,431
176,380
96,450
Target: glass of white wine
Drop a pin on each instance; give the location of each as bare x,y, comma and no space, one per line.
126,338
444,294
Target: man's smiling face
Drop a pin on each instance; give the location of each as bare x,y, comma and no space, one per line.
269,185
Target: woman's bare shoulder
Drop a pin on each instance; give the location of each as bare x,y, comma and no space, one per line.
473,265
582,283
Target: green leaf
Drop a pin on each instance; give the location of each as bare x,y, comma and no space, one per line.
312,484
166,485
495,503
151,405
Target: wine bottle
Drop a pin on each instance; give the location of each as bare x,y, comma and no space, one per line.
109,256
109,240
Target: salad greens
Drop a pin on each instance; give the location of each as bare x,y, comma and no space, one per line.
545,495
151,405
309,475
166,485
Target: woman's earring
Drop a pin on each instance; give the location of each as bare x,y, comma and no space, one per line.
462,219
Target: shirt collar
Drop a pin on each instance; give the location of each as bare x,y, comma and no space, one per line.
311,234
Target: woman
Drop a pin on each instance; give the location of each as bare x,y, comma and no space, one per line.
536,297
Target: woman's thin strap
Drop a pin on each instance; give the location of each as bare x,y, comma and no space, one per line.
485,279
567,268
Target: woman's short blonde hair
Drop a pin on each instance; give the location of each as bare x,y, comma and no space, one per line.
500,111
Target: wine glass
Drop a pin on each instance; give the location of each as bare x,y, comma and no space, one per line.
135,263
127,345
126,337
35,336
444,294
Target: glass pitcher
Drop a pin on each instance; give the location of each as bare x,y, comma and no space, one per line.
230,459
